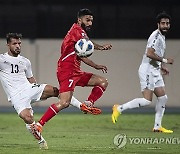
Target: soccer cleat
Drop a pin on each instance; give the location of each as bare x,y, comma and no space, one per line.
43,145
95,110
115,113
163,130
36,131
92,110
39,127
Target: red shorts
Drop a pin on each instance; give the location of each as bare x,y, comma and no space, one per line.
68,81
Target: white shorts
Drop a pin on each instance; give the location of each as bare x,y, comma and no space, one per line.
150,80
25,98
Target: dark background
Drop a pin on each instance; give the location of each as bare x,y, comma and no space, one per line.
121,19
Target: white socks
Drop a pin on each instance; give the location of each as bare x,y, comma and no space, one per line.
137,102
160,108
75,102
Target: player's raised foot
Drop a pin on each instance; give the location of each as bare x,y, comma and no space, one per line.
87,107
43,145
115,113
36,131
163,130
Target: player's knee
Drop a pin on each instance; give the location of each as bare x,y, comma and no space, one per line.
146,102
56,91
163,99
104,83
65,104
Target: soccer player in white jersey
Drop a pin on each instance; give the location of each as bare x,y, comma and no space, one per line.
21,88
151,80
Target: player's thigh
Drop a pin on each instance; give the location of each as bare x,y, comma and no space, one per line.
147,94
21,101
147,86
97,80
159,91
83,79
66,96
146,81
49,91
159,87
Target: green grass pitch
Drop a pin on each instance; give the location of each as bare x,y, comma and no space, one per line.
76,133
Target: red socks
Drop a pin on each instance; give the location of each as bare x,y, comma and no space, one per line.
96,93
51,112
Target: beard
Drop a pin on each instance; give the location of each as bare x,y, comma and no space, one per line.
164,31
15,52
86,28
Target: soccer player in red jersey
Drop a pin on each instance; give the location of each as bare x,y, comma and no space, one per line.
69,73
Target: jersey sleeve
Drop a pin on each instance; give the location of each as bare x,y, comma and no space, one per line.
28,71
153,43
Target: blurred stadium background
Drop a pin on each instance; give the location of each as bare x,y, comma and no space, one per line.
125,23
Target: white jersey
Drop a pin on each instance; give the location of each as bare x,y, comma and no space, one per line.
157,42
14,72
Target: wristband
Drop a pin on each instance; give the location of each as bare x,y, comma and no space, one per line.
164,60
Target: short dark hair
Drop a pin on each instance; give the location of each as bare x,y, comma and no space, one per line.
83,12
9,36
162,15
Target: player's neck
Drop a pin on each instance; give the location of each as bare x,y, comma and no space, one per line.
11,54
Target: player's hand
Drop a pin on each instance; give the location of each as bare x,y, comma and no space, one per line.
105,47
170,61
165,71
101,67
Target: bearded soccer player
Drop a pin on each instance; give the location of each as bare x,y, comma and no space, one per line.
151,80
69,73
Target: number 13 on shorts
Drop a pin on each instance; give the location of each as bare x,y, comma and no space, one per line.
70,82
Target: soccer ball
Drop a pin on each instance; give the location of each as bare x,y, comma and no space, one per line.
84,48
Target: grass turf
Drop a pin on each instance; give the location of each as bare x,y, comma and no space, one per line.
87,134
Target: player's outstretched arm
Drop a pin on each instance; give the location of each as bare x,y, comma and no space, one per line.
94,65
102,47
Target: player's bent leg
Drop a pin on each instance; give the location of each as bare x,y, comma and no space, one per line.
55,108
36,130
99,86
